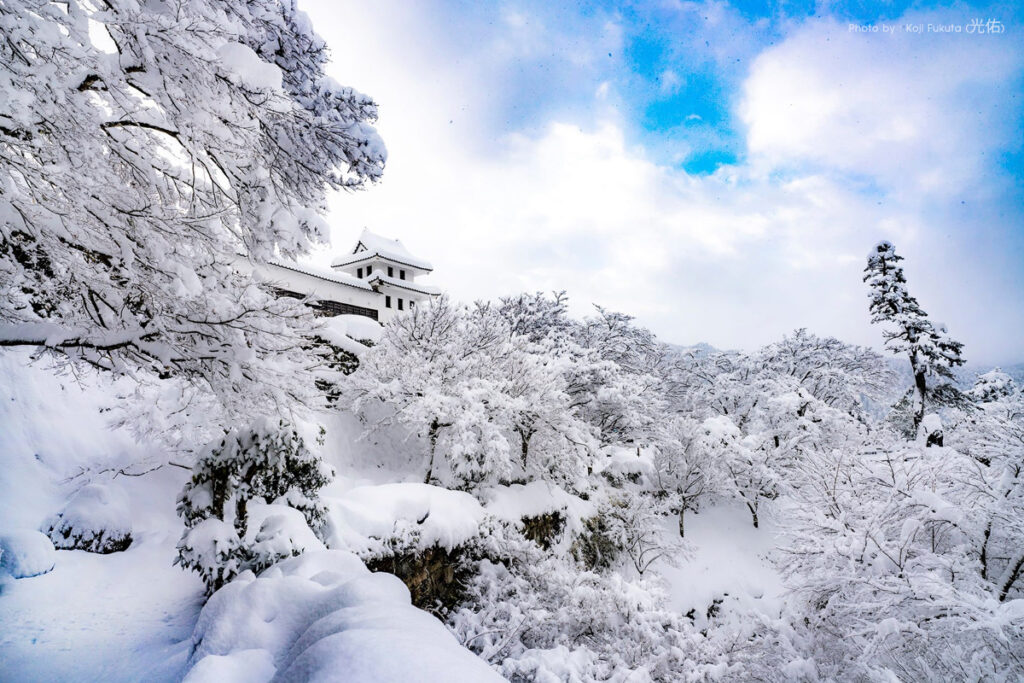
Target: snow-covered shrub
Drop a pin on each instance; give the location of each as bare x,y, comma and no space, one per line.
265,463
338,362
537,617
277,532
212,548
626,528
888,562
96,519
993,385
26,553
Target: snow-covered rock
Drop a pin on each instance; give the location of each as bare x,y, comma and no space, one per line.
420,515
511,504
26,553
96,519
355,326
324,617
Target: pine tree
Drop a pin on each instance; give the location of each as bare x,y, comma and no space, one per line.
932,353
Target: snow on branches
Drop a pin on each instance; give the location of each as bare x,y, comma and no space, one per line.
490,405
146,151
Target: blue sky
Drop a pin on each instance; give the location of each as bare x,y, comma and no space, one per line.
717,169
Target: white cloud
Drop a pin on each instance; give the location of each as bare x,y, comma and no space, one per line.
669,82
916,112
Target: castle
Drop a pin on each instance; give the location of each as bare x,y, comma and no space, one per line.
377,280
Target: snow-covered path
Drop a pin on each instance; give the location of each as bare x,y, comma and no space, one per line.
120,617
125,616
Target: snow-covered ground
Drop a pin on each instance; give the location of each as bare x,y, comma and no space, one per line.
126,616
730,562
132,615
121,617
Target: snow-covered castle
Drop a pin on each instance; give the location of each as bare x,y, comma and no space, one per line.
377,280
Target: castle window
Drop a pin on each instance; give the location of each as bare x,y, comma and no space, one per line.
412,304
401,274
387,301
400,305
391,271
359,272
369,269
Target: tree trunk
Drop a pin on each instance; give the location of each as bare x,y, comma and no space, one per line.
984,551
241,516
524,446
921,386
1012,573
435,427
682,522
242,503
753,513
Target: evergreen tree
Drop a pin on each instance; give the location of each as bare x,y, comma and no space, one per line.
932,353
267,462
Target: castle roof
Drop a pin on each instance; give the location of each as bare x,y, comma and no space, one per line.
328,275
380,278
372,245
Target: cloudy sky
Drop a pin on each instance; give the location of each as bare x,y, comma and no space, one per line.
716,170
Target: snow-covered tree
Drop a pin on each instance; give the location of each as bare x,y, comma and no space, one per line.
993,437
932,353
490,405
617,378
885,561
682,471
537,316
436,371
615,371
535,616
149,152
994,385
267,462
555,441
838,374
743,468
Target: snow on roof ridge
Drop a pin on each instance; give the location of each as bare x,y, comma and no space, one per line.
374,244
405,284
328,275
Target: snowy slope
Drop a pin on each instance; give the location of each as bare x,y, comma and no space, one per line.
132,615
730,562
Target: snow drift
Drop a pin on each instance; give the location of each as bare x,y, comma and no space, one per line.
324,617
